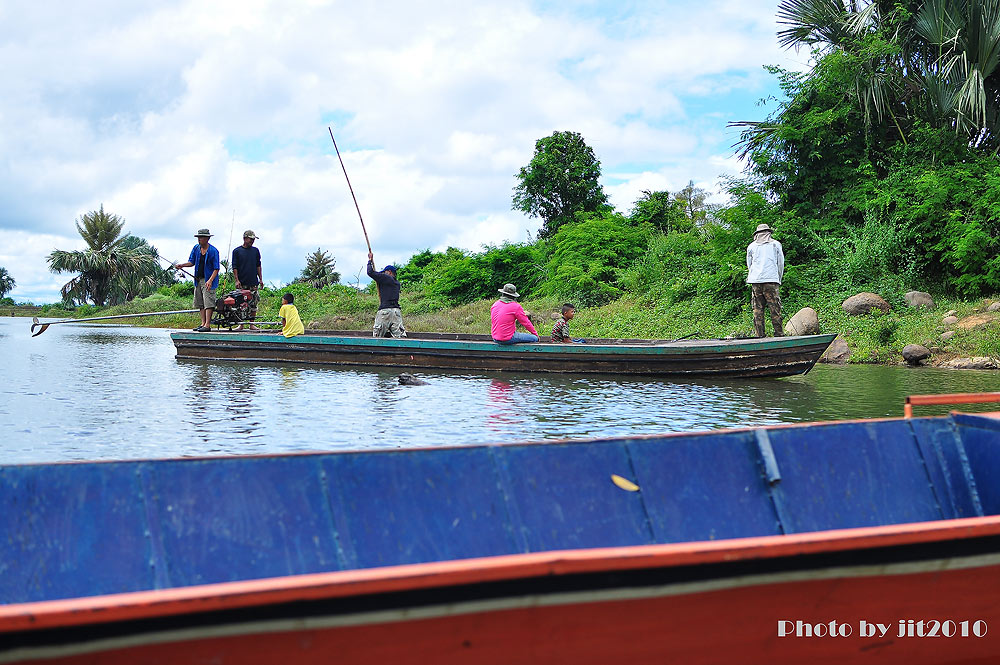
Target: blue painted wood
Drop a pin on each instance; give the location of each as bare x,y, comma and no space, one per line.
947,467
704,487
981,441
397,507
240,518
852,475
71,530
564,497
95,528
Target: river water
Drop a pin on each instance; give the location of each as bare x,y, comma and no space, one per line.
89,392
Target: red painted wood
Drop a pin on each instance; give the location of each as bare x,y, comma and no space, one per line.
727,626
233,595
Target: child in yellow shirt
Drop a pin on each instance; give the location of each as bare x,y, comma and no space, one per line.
291,324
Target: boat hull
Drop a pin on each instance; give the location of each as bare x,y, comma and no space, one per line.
696,603
519,553
767,357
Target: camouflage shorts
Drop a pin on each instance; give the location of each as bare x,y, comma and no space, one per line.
388,323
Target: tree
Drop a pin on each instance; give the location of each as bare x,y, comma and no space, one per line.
661,210
111,269
131,285
319,270
693,202
560,181
7,282
930,62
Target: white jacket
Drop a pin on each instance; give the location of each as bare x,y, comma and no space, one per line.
765,262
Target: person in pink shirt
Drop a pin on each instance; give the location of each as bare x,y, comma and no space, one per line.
504,315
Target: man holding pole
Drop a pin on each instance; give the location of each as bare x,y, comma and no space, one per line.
389,319
205,259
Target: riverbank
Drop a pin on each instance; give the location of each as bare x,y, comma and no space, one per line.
877,337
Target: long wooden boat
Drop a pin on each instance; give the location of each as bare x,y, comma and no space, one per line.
769,356
855,541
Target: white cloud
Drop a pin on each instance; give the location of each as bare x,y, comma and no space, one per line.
180,115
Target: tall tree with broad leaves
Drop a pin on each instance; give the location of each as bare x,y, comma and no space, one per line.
561,180
7,282
111,269
319,270
935,62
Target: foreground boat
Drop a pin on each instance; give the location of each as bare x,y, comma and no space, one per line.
765,357
717,547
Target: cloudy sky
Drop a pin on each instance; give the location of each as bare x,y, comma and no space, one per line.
183,115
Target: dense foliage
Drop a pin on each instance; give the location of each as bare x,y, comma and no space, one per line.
882,159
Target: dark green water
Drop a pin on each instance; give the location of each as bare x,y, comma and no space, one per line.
114,392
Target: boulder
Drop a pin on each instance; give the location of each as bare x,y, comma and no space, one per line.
914,353
977,362
864,302
945,336
976,320
406,379
919,299
805,322
949,320
838,352
995,307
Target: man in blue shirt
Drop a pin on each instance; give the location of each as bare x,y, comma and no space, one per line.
205,259
247,271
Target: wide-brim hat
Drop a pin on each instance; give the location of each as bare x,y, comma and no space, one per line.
249,234
509,290
763,227
203,233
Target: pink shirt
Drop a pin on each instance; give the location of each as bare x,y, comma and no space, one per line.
502,317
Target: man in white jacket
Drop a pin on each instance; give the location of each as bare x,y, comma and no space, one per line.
765,266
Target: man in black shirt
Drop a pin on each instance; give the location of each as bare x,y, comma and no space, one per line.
247,271
388,320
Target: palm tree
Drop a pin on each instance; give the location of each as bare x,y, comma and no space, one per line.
319,270
936,61
7,282
112,269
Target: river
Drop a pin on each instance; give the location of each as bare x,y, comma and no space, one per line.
102,392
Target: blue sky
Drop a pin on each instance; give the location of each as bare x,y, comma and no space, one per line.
183,115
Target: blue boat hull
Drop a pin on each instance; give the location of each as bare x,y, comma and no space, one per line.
86,529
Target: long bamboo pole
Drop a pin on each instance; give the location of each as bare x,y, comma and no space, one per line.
365,231
35,323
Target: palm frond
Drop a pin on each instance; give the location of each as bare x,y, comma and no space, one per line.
812,22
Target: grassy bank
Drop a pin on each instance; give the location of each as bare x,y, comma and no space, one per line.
873,338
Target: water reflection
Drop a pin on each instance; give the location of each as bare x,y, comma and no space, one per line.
118,392
502,413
